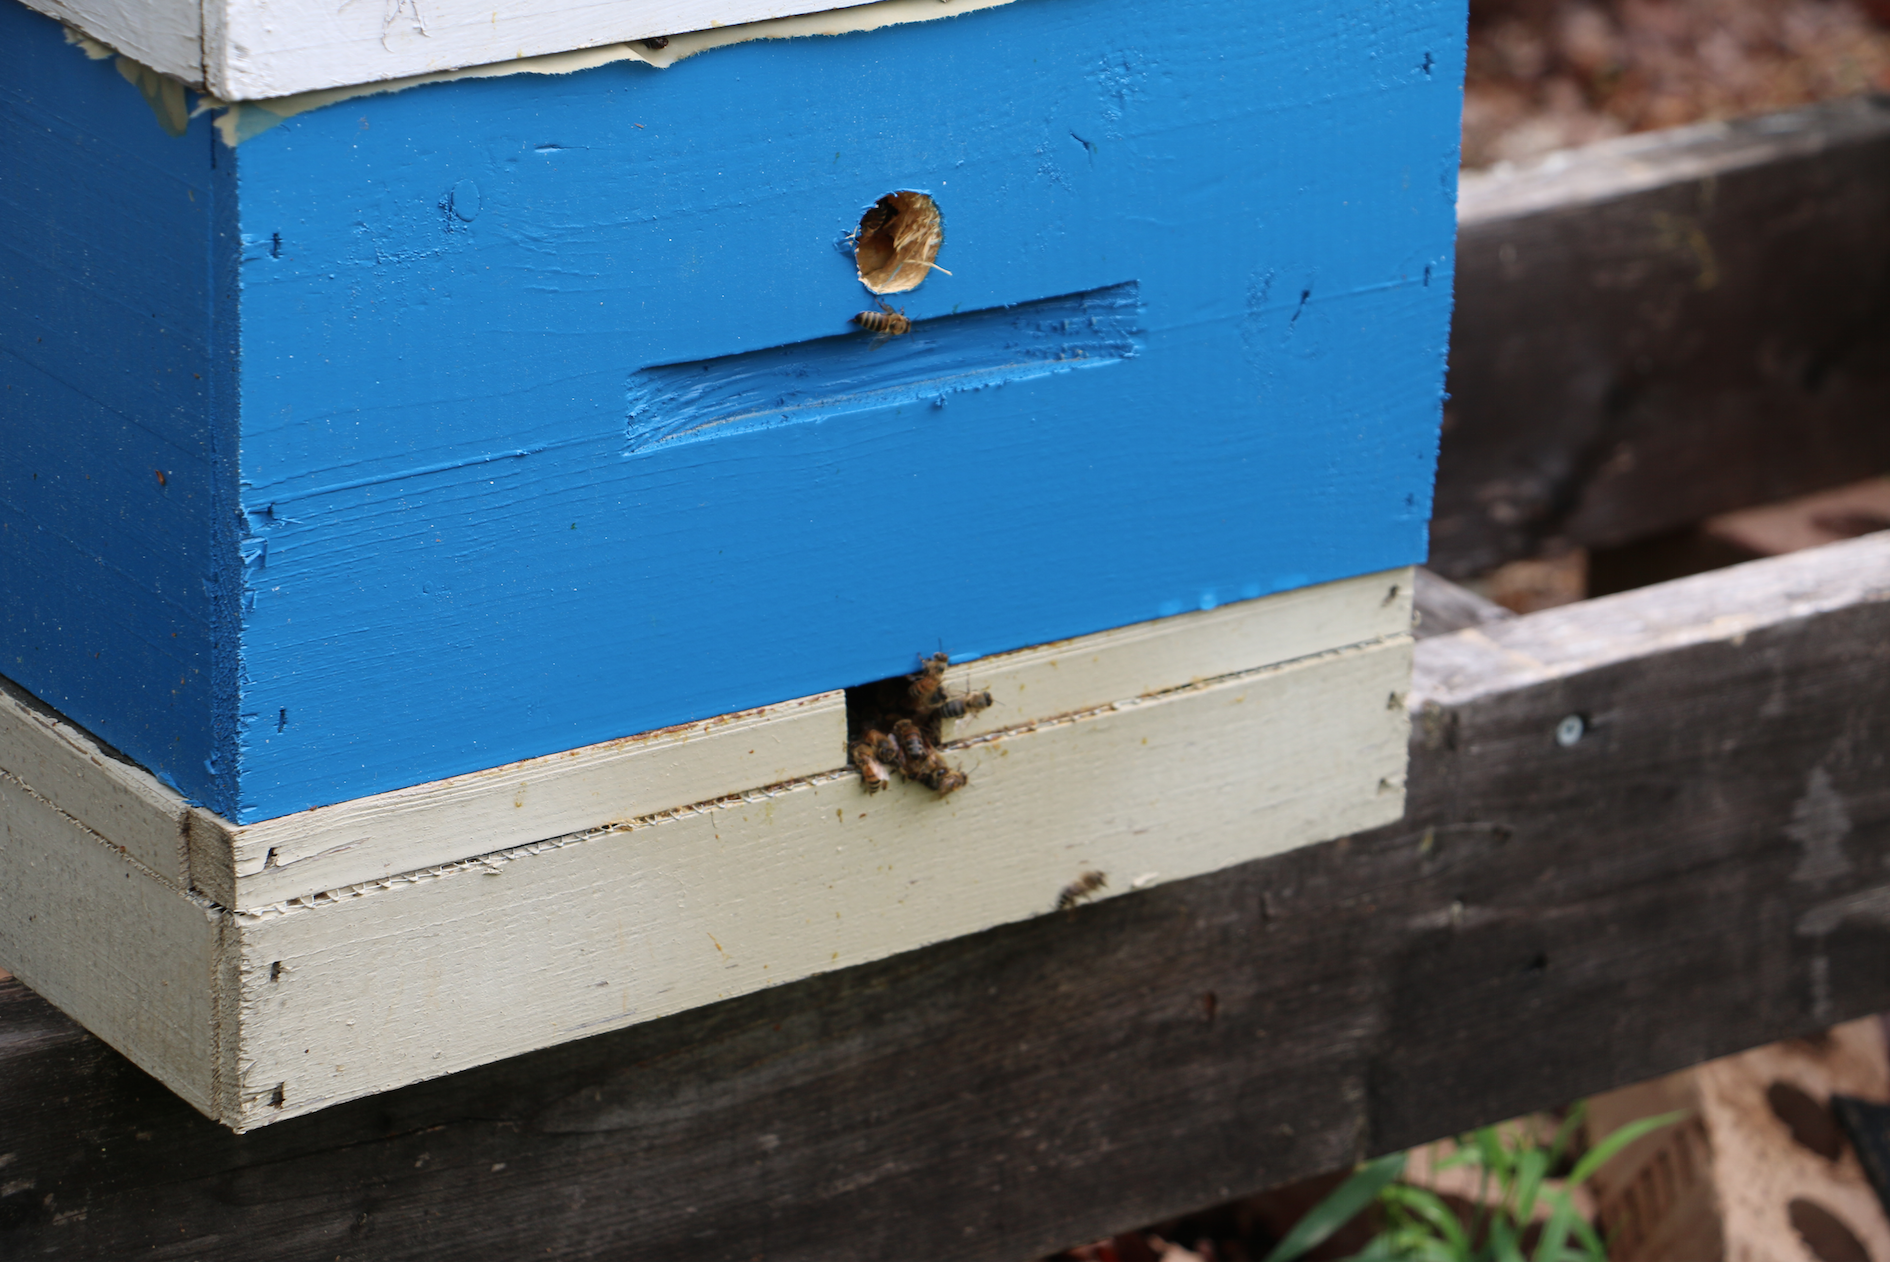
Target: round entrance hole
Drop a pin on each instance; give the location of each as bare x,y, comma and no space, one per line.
898,241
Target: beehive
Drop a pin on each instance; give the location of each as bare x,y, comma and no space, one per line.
419,475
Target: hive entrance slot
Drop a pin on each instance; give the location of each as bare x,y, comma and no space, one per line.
897,725
898,242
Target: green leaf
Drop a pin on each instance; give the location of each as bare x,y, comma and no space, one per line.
1429,1208
1532,1166
1551,1246
1489,1144
1597,1156
1340,1207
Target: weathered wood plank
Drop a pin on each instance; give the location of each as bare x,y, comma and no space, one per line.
447,821
1440,607
1690,321
1701,872
1144,658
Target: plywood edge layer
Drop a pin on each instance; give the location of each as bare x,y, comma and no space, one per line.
361,990
126,954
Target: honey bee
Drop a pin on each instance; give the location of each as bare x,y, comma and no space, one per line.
873,773
884,211
886,322
959,707
915,751
924,690
1083,887
884,747
944,780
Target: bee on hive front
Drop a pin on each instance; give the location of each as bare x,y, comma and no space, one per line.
959,707
914,749
886,322
1081,888
925,685
872,772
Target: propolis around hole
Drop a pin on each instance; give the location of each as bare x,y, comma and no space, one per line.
898,241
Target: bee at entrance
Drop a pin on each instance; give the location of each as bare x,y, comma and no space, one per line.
873,774
886,322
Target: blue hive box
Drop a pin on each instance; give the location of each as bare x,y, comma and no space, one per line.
358,441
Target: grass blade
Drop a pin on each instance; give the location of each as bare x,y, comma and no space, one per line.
1340,1207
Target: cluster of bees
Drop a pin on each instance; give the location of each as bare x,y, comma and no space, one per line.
903,736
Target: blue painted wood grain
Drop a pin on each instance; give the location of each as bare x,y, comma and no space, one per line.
863,373
113,604
455,300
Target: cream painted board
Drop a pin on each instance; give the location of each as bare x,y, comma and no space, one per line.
1148,657
251,50
112,798
407,979
303,854
649,875
445,820
127,955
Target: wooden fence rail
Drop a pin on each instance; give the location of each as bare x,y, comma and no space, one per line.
1691,321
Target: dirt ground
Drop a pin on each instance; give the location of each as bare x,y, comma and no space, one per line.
1548,74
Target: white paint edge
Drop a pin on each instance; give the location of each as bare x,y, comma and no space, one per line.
296,55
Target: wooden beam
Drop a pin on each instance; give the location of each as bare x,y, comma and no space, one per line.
1664,327
1698,870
